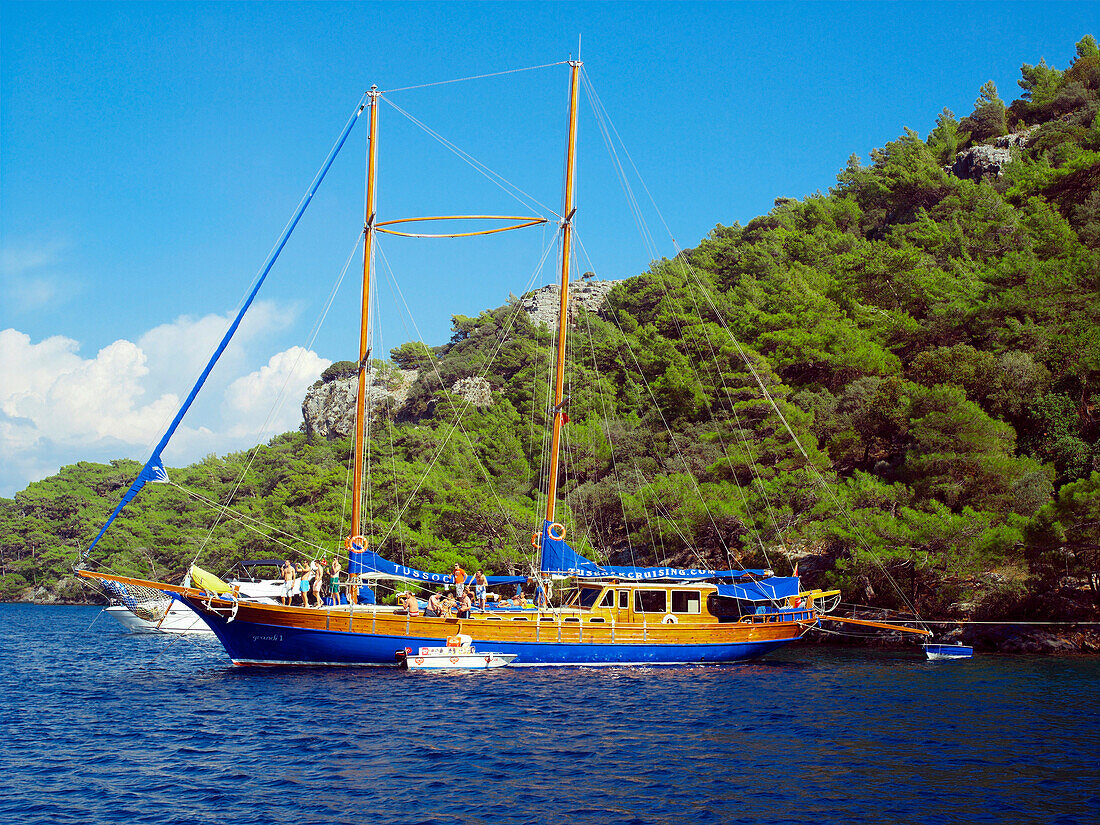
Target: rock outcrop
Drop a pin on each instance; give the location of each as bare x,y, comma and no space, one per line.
329,406
542,304
987,160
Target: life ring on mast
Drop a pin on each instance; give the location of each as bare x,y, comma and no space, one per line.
356,544
669,619
556,531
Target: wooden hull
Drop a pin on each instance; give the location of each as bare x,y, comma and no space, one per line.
262,634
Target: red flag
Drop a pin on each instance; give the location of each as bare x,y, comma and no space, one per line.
564,417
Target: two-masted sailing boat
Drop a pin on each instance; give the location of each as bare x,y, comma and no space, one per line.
618,615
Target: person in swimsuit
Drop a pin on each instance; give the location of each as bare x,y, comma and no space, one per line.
334,580
411,605
464,605
318,572
435,605
305,575
480,583
287,571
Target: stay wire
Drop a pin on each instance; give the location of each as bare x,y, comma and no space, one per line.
475,77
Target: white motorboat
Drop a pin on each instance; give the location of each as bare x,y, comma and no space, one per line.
256,581
459,654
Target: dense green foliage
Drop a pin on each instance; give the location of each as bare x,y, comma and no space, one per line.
933,342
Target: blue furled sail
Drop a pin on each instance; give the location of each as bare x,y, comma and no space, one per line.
765,590
368,561
154,467
558,558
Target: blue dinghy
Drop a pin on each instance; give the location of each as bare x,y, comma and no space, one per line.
955,651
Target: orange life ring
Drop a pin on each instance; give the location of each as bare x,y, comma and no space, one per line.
556,531
351,542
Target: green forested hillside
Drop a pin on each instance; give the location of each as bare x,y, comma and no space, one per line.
931,334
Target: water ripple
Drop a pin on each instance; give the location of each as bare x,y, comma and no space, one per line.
110,727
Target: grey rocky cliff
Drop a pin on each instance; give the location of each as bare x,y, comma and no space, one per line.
987,160
542,304
329,406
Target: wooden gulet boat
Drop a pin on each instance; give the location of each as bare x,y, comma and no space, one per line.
618,616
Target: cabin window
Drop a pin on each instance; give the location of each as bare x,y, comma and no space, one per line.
650,601
519,618
624,599
573,619
589,596
546,619
493,618
596,619
608,599
685,601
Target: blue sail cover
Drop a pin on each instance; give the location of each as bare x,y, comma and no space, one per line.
558,558
368,561
772,589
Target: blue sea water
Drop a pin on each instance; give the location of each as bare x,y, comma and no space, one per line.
107,727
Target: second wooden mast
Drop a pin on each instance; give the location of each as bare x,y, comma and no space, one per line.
563,307
364,324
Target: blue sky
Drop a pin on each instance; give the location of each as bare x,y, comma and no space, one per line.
151,153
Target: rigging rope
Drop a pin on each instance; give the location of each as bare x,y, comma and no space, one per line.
496,178
281,397
475,77
760,383
457,425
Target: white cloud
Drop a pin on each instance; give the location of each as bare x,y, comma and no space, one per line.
282,381
178,351
57,407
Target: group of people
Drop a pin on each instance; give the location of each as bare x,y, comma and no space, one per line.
309,584
317,579
466,597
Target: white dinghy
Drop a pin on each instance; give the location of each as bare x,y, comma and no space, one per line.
459,654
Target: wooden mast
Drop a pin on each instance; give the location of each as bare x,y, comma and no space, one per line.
364,338
566,239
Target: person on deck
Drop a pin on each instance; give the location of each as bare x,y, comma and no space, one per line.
318,571
449,603
288,582
334,581
464,605
540,596
480,583
435,605
411,605
460,580
305,579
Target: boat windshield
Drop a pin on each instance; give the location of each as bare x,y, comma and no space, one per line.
589,596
